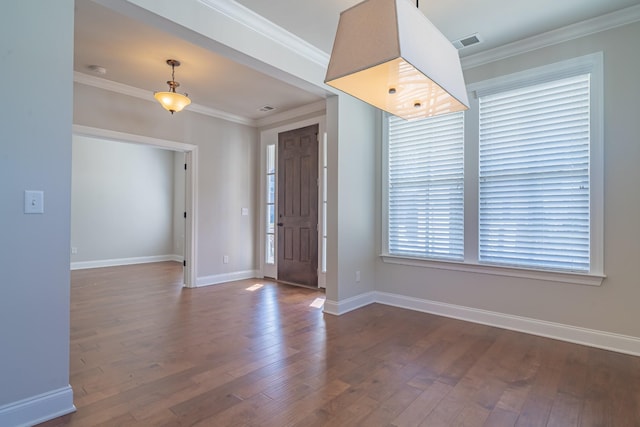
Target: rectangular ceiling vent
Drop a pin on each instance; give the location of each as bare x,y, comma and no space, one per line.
266,108
467,41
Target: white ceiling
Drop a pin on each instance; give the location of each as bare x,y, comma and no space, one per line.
134,53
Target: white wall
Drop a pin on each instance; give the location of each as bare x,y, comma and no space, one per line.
122,201
36,45
611,307
228,173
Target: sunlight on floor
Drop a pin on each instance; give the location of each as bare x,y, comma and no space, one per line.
317,303
254,287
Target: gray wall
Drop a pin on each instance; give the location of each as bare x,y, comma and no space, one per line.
351,152
228,170
122,200
611,307
37,52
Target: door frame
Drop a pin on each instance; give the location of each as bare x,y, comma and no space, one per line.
191,186
270,137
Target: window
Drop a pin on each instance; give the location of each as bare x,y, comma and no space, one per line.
425,187
527,159
534,176
270,251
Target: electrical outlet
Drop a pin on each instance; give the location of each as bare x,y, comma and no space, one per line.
74,250
358,276
225,259
33,202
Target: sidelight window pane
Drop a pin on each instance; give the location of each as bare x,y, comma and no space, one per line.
270,249
271,188
271,216
271,159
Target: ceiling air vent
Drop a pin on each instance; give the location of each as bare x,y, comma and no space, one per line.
266,108
467,41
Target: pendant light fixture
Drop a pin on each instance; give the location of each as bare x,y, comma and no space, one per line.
172,101
388,54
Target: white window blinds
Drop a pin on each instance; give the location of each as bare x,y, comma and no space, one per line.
534,176
425,187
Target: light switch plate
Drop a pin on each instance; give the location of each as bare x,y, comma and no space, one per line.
244,211
33,202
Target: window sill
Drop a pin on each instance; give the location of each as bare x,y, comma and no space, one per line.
523,273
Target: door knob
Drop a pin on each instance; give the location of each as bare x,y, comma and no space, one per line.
280,224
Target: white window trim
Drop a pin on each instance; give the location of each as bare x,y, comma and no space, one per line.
593,64
496,270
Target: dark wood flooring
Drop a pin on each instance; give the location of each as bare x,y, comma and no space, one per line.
146,352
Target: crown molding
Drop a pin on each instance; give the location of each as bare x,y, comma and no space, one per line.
147,95
570,32
268,29
314,107
212,112
89,80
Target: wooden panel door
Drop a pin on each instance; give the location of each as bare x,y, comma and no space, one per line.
298,206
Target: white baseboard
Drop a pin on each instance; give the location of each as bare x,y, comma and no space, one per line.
322,280
590,337
38,409
341,307
176,258
216,279
81,265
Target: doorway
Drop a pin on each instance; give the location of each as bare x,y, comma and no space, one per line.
190,155
297,206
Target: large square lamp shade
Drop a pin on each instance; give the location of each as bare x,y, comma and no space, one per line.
388,54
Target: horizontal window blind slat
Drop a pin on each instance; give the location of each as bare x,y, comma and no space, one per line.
513,108
578,143
543,91
495,185
547,113
570,148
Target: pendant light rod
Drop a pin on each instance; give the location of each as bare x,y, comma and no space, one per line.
173,72
173,84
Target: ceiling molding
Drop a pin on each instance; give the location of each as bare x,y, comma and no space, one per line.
314,107
147,95
570,32
268,29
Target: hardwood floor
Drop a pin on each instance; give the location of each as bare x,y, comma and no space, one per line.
146,352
